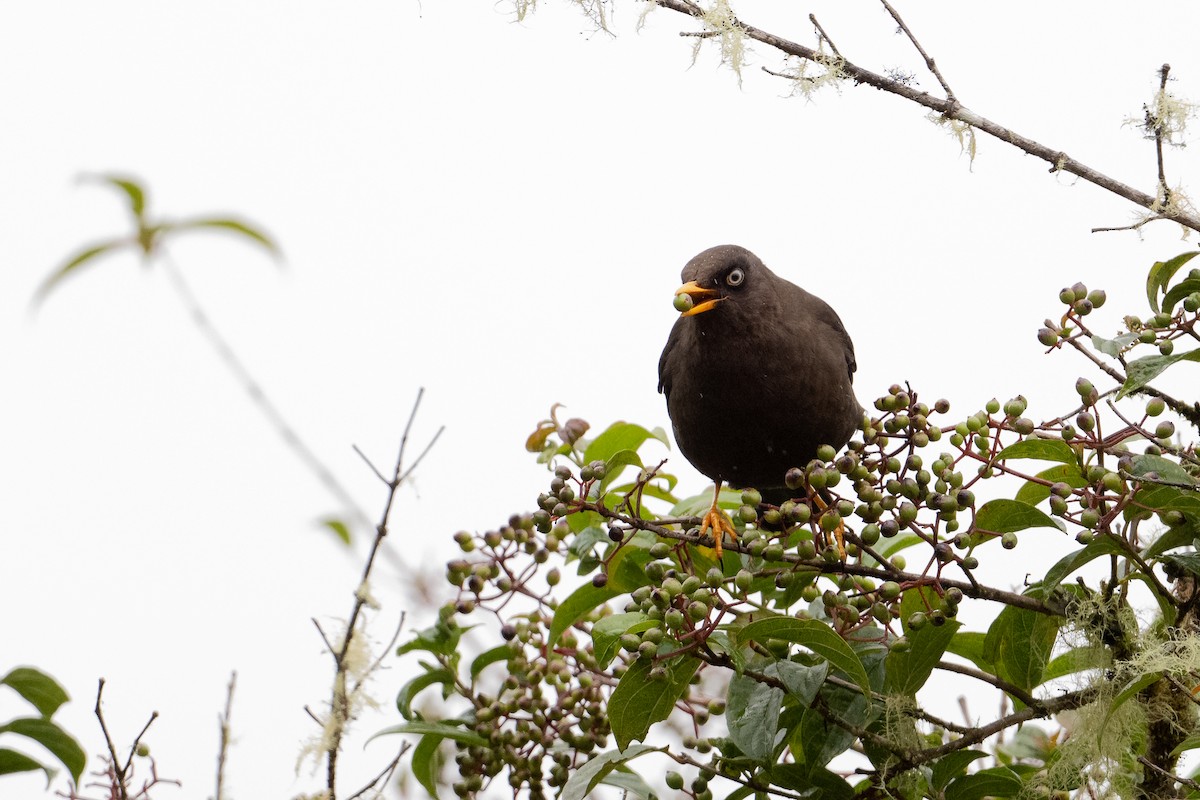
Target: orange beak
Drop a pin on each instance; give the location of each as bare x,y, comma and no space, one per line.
706,298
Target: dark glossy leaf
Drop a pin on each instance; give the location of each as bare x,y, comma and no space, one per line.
994,782
587,777
1019,642
447,729
638,702
1006,516
1184,562
1190,743
1160,274
1034,493
1163,469
1178,292
971,645
42,691
1176,536
952,765
814,635
243,229
53,738
1102,545
1041,449
578,605
752,715
1140,372
908,671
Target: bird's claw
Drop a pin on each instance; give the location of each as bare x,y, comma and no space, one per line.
718,522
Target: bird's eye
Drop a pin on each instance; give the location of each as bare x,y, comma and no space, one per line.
735,277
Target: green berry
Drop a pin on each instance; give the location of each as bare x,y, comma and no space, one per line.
683,303
1155,406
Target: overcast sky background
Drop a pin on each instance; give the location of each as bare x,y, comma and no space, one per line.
497,212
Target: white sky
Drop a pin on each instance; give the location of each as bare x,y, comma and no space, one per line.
499,213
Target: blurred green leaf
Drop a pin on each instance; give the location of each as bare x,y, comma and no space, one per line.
1115,346
243,229
409,691
129,186
607,633
908,670
1076,660
1131,690
994,782
951,766
971,645
53,738
426,762
1033,493
500,652
814,635
75,262
446,728
339,528
12,762
1102,545
42,691
439,638
638,701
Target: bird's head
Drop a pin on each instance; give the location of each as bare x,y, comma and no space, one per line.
716,275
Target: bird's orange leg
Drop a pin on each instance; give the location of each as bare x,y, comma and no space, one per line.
716,521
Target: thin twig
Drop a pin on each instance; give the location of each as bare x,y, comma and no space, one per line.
1058,160
825,36
223,751
929,63
384,774
112,749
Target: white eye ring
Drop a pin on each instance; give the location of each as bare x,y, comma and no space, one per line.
735,277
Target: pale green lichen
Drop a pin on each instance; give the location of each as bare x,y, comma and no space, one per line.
721,24
961,131
595,10
649,6
806,84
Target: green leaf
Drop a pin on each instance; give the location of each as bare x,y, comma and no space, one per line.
698,504
802,681
53,738
617,437
1102,545
73,263
1160,276
11,762
501,652
952,765
909,670
409,691
972,646
1077,659
1041,449
1164,468
586,778
439,638
1185,562
607,633
994,782
1179,291
1019,642
445,729
752,716
1115,346
629,782
814,635
132,189
578,605
1005,516
42,691
615,465
1190,743
638,702
1140,372
1176,536
426,762
1033,493
236,226
1131,690
340,529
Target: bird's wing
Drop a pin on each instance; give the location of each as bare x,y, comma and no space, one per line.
664,374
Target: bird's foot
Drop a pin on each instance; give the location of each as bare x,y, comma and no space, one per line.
718,522
839,533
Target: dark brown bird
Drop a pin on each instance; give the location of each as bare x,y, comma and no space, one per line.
757,374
